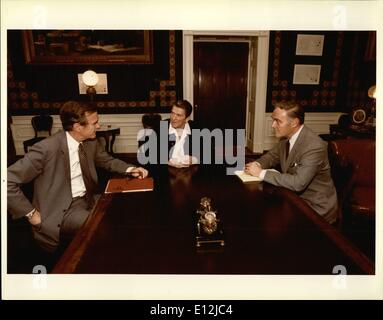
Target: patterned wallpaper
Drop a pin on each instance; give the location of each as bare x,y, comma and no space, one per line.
161,91
348,69
346,73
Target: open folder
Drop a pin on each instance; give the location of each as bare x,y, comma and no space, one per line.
249,178
129,185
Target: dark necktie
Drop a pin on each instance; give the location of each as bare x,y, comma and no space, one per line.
88,181
287,148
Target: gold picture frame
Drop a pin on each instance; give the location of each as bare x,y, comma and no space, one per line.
88,46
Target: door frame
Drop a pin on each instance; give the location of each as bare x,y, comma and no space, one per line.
260,78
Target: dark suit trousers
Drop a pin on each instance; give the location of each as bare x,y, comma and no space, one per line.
74,218
72,221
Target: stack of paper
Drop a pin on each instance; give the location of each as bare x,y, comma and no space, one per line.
246,177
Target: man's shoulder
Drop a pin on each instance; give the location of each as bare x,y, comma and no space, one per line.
312,139
54,141
48,147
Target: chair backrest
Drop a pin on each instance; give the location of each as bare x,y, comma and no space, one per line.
151,120
344,121
42,123
360,153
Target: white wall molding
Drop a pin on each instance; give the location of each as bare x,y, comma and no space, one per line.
126,141
251,33
317,121
260,94
130,124
261,76
187,67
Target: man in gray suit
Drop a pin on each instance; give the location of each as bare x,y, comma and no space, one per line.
63,168
302,157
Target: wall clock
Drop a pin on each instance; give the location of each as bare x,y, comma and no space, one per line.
358,116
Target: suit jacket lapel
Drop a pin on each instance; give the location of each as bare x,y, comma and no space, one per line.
283,160
65,156
90,159
293,151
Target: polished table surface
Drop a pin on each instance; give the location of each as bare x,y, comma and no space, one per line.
268,230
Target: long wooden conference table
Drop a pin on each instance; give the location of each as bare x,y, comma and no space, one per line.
267,230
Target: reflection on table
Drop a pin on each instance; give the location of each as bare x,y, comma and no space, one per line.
268,230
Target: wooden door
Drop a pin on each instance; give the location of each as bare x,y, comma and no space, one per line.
220,84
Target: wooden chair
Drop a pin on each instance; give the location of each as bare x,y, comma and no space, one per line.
150,123
338,131
41,123
151,120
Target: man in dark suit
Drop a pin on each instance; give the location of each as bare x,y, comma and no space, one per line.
63,168
302,157
172,144
180,133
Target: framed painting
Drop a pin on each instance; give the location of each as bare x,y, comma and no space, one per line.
88,46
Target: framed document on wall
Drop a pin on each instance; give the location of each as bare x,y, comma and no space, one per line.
309,45
88,46
306,74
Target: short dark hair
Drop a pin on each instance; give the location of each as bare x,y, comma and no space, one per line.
73,112
293,109
184,104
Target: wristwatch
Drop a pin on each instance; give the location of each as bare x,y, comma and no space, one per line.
30,214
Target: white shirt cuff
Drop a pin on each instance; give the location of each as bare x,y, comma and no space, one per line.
262,174
33,210
130,169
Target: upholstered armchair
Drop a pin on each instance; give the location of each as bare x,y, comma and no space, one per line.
353,170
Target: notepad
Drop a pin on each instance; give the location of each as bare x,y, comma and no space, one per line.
129,185
246,177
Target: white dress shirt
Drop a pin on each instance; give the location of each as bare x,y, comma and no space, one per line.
294,137
178,155
292,141
76,180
